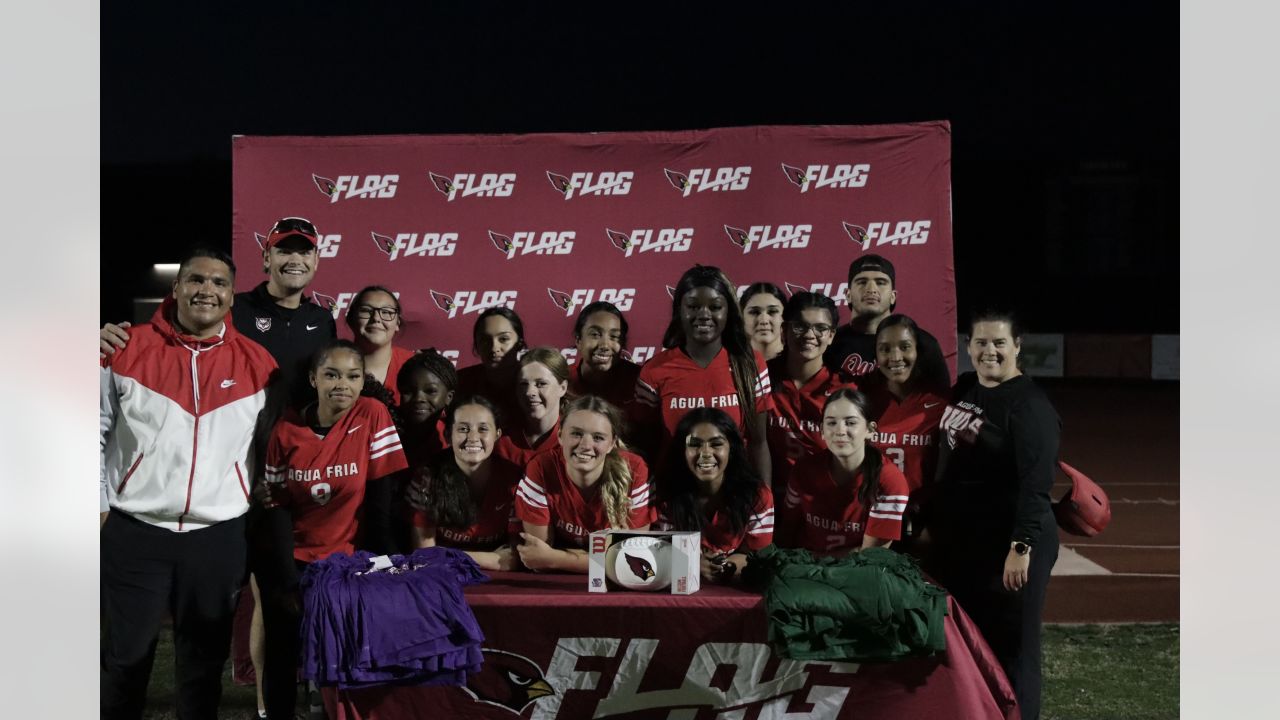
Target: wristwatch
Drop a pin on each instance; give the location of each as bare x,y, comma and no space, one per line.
1020,547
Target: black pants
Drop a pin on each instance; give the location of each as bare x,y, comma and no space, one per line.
196,576
1010,622
282,641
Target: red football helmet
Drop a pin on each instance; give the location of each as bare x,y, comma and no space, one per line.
1086,509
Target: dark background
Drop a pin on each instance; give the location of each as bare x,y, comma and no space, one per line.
1064,119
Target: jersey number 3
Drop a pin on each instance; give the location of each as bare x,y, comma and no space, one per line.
898,456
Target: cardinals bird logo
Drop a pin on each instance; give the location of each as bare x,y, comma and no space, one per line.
793,289
261,240
324,301
562,300
639,567
442,301
384,243
679,181
795,175
508,681
325,185
620,240
442,183
502,242
560,183
857,234
738,236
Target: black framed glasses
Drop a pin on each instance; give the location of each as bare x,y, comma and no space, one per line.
385,314
799,328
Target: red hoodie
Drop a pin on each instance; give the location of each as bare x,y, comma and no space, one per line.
177,422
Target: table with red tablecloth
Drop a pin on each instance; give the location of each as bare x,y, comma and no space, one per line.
553,650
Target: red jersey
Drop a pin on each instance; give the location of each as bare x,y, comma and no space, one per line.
398,357
718,535
671,384
618,386
322,479
473,380
821,517
514,448
795,422
495,513
907,432
546,496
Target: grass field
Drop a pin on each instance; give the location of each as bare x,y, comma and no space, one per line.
1091,672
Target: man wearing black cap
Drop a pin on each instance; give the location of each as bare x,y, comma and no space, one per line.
872,296
276,314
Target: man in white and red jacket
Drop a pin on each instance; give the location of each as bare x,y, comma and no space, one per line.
179,410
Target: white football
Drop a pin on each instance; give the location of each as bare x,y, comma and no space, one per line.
639,563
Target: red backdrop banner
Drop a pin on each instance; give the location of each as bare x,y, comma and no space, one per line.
548,223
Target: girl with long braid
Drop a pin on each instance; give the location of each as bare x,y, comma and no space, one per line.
845,498
591,484
708,362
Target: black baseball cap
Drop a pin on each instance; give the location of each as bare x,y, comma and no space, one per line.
872,263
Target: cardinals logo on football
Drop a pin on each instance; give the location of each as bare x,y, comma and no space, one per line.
585,183
816,177
639,567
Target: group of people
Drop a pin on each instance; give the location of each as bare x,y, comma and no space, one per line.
330,445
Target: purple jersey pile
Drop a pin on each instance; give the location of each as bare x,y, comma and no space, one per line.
405,625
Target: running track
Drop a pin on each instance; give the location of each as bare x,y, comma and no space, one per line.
1123,434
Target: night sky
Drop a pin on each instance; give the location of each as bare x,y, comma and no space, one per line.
1064,119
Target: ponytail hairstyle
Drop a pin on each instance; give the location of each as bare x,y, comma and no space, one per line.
615,483
449,492
742,357
676,488
872,461
930,371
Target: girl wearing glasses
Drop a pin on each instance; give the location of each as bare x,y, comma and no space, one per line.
801,382
708,362
590,483
711,488
846,498
540,391
762,304
497,339
374,319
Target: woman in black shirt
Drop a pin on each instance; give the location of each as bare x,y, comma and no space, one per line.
994,535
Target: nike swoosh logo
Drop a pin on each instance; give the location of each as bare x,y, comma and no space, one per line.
929,405
312,327
354,429
227,383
